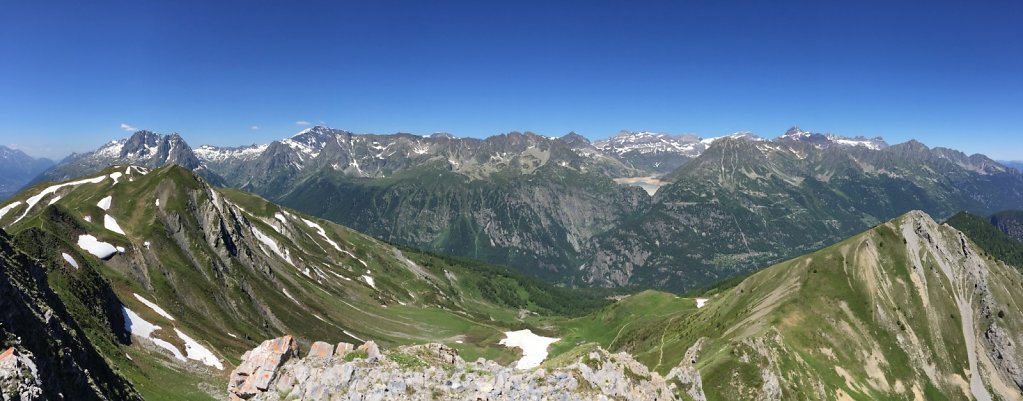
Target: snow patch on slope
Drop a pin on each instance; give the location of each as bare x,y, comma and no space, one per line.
110,224
197,352
156,308
33,200
70,260
96,247
352,335
323,233
289,296
270,243
534,347
356,258
137,326
105,203
8,208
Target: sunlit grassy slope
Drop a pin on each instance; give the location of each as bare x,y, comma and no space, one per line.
907,310
232,270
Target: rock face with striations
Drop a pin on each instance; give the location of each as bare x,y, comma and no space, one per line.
436,372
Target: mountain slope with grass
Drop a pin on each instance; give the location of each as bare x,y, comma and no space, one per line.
44,350
909,310
198,275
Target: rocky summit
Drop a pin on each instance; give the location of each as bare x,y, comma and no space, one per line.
274,371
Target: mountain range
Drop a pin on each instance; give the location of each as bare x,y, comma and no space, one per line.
165,284
556,208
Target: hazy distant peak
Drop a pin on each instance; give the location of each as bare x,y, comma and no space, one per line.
826,140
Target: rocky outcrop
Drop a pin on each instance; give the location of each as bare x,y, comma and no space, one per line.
686,374
19,378
435,372
260,366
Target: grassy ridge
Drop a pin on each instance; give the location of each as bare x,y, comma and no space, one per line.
861,319
191,249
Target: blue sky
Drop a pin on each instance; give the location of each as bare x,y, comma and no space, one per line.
72,74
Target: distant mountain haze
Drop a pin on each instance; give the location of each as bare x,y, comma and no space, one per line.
18,169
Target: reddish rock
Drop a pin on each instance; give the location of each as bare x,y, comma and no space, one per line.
10,353
259,367
7,359
320,350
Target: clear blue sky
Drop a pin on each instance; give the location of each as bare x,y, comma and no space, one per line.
946,73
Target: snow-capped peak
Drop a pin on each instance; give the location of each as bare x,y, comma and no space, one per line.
215,153
651,142
738,135
318,130
310,141
795,132
822,141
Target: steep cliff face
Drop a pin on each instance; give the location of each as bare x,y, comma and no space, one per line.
46,354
